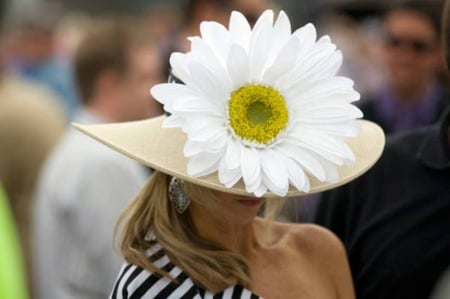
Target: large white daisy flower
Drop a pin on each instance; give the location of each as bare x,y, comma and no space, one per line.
262,104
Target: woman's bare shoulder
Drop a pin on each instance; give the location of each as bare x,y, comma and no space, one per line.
319,250
309,238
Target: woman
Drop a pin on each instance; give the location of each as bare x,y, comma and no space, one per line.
261,115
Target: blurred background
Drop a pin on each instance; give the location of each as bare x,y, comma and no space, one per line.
40,96
36,30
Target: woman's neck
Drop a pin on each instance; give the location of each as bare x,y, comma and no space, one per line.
236,237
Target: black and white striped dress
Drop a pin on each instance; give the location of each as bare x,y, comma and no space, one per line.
134,282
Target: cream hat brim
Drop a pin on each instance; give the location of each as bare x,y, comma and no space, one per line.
162,149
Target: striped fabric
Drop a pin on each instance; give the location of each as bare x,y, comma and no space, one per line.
134,282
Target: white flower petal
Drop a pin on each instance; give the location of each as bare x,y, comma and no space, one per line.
179,64
303,157
275,176
173,121
325,168
325,63
323,145
192,148
199,123
297,176
217,36
211,86
331,173
203,164
168,94
207,131
260,191
232,155
192,104
260,44
206,135
251,169
308,65
238,66
240,30
326,67
343,129
201,128
202,52
282,65
333,65
307,36
282,29
329,114
196,106
336,89
341,98
228,177
281,34
217,143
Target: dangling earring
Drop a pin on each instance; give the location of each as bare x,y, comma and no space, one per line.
180,200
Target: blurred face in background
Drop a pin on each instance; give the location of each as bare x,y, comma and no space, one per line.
411,50
251,9
143,71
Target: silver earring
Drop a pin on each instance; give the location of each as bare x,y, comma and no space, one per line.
180,200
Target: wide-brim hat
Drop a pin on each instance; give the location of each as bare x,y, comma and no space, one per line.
162,149
256,111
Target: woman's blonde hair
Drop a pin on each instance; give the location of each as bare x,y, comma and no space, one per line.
151,215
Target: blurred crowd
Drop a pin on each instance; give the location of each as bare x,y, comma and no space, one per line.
62,64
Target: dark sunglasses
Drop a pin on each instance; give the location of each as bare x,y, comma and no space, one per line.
418,46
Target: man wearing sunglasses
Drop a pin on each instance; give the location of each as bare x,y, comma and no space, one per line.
394,220
410,52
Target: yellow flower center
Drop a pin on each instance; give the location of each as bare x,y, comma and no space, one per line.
257,113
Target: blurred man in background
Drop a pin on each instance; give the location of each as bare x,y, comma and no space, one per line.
31,51
394,221
442,288
411,54
85,185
